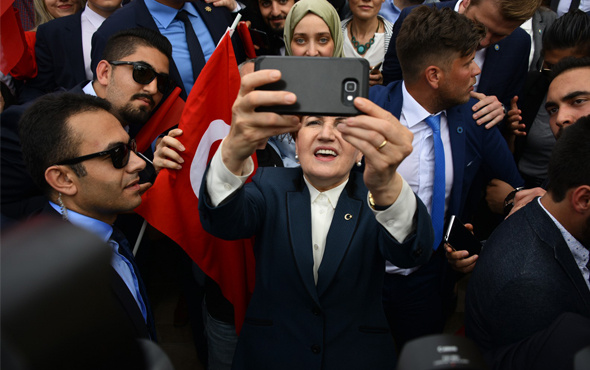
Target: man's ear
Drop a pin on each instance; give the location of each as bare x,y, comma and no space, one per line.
433,75
464,5
103,72
60,178
581,199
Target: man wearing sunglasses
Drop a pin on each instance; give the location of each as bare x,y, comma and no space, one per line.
133,75
133,78
81,157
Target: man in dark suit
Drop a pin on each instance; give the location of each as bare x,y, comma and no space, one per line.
81,157
502,55
132,101
438,79
528,300
62,49
269,17
209,24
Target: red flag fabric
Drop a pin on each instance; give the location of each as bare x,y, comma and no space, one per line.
12,37
164,118
170,205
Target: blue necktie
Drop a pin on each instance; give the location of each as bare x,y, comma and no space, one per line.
192,41
122,259
437,212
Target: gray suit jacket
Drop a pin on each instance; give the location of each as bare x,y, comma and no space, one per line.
542,19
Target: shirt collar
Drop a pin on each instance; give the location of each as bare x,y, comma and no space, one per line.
579,252
413,112
93,17
332,194
164,15
98,228
89,89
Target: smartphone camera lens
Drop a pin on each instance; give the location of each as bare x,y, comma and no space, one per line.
350,86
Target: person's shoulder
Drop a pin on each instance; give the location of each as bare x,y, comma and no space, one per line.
60,23
278,177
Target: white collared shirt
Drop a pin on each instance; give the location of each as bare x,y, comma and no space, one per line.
91,20
418,168
398,219
580,253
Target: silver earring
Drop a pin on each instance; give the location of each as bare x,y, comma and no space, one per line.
63,209
359,163
296,158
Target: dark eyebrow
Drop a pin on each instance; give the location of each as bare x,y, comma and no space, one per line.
575,94
114,145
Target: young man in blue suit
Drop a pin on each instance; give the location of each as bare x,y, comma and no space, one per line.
502,54
436,49
208,21
528,300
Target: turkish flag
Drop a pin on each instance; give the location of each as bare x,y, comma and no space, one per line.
164,118
171,204
12,37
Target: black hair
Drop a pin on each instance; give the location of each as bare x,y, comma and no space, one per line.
124,43
45,136
572,30
568,166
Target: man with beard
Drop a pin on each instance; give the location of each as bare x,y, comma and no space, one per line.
133,77
269,17
436,49
528,300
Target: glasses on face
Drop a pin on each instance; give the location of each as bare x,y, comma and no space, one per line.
119,155
143,74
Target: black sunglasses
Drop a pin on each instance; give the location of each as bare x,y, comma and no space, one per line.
119,155
143,74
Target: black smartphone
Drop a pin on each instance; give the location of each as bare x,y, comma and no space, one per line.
260,38
460,238
148,174
324,86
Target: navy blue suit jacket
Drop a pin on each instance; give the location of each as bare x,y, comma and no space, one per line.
59,54
291,323
137,326
525,278
136,14
504,70
473,146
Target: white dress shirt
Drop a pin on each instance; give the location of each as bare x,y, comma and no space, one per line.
91,20
564,6
398,219
418,167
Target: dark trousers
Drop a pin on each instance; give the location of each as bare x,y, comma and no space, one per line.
416,305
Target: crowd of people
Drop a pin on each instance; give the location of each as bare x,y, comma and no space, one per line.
478,109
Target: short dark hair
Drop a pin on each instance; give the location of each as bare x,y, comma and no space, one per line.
572,30
45,136
567,64
125,42
429,36
568,166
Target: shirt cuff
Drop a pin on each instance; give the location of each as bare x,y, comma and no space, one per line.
398,219
221,182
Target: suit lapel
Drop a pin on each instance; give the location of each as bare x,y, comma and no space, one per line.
457,137
129,304
75,29
549,234
211,19
489,69
298,203
342,229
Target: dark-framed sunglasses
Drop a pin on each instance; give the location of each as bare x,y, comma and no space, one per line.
144,73
119,155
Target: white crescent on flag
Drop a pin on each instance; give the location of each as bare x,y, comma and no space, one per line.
217,130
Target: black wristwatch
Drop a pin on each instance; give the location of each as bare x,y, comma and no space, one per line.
509,200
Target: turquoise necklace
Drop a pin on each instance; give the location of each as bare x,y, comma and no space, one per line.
361,49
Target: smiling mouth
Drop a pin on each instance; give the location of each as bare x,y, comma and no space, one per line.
325,153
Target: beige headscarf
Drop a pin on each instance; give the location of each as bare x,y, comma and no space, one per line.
322,9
